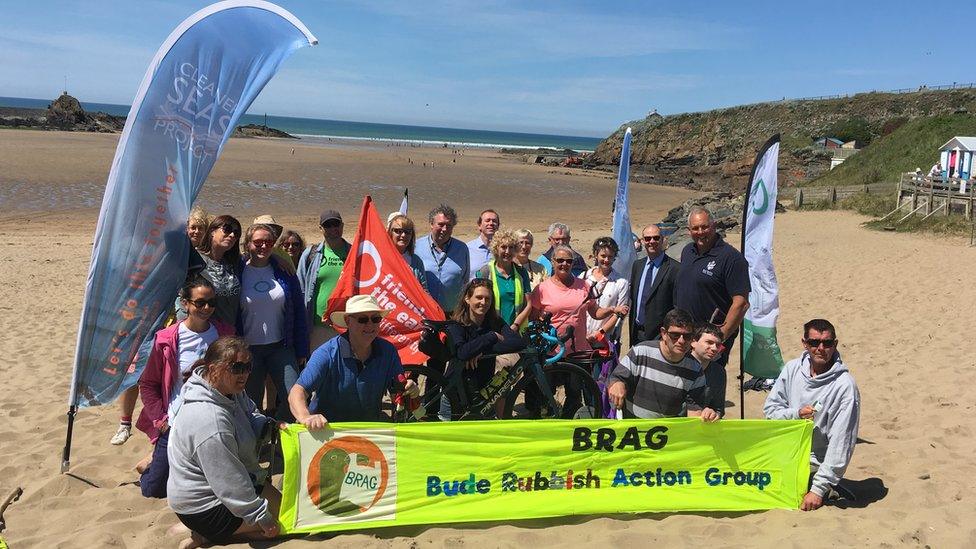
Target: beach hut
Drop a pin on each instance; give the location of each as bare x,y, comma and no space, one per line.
957,157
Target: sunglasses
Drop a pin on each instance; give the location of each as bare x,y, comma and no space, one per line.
366,319
201,303
262,243
292,245
331,224
651,238
239,368
562,260
402,231
827,343
675,336
229,229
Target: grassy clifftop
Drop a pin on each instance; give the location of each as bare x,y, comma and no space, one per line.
913,145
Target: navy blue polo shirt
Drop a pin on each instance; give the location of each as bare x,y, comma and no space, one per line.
708,281
346,389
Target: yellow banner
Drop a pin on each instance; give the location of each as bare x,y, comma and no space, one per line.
370,475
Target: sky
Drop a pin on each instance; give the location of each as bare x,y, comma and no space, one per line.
567,67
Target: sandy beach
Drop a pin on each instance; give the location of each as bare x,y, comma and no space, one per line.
901,303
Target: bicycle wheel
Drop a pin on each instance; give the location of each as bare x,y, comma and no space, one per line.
575,395
431,383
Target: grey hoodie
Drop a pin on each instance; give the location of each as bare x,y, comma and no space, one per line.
834,426
213,453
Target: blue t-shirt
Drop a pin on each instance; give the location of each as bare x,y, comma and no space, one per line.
346,389
708,281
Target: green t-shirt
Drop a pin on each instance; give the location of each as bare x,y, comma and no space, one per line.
328,276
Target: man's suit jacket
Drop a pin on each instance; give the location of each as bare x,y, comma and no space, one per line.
657,302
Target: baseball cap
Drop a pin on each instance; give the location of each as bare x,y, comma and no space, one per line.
329,215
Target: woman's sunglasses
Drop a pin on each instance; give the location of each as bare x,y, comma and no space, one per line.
201,303
240,368
229,229
401,231
291,245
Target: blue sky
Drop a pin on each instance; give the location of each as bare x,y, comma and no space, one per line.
577,68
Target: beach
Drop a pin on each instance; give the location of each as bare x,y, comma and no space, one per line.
899,302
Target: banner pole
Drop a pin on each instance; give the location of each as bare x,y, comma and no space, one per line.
66,453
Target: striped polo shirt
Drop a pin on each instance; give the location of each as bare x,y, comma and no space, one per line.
655,387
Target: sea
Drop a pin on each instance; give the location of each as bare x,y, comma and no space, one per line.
319,128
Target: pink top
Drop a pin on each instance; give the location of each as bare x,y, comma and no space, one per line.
564,303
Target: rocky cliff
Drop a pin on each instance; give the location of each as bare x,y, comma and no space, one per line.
715,149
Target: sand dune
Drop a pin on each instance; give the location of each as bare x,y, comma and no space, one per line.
903,305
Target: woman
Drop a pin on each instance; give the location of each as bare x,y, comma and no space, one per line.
509,282
222,256
401,231
196,226
175,349
292,244
524,241
214,478
477,330
564,295
613,288
272,319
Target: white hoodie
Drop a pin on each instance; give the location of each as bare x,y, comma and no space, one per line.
213,454
834,426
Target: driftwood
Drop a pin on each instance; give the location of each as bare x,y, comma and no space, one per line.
14,496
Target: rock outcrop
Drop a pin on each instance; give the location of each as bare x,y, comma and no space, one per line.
64,113
715,149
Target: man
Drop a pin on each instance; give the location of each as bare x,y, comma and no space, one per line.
706,346
318,272
651,287
656,378
559,235
479,249
713,285
818,386
446,259
348,376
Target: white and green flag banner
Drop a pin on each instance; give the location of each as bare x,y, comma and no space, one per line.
761,356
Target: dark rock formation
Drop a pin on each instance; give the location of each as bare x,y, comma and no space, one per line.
260,130
64,113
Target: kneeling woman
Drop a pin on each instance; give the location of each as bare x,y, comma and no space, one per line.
214,484
478,331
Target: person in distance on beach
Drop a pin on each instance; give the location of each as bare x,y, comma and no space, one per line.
215,480
318,272
479,249
404,236
656,378
537,273
509,282
559,236
613,288
446,259
272,320
292,244
819,387
652,280
713,285
174,351
348,376
706,346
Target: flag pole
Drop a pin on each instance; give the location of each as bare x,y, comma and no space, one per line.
742,249
66,452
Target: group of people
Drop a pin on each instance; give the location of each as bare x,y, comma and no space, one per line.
250,345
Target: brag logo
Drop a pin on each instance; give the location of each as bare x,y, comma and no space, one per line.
347,476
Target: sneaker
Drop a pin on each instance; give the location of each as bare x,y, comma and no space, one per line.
122,435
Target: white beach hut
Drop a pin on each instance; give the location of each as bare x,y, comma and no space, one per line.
957,157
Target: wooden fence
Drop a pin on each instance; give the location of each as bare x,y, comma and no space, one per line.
830,195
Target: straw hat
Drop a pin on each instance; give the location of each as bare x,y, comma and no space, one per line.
269,221
357,304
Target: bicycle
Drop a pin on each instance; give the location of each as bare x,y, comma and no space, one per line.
537,386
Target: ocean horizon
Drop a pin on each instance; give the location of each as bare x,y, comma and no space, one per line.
370,131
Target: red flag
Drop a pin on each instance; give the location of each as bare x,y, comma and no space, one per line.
378,269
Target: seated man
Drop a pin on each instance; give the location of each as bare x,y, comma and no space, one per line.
818,386
350,373
656,379
706,347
